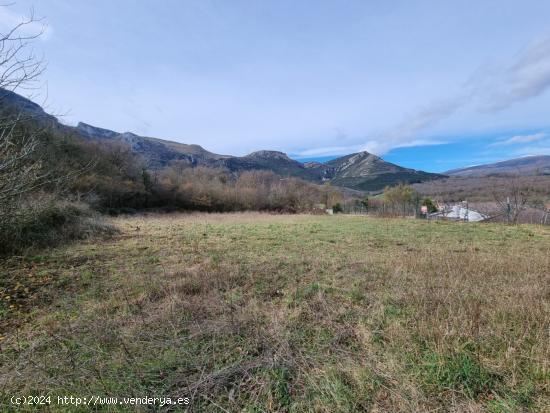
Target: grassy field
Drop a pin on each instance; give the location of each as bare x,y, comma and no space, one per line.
251,312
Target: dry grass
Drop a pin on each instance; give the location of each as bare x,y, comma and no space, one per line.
287,313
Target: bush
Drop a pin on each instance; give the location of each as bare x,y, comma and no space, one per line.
46,221
430,204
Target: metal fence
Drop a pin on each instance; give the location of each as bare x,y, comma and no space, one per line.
382,209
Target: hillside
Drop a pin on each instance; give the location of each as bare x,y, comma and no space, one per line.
11,101
157,152
528,165
359,171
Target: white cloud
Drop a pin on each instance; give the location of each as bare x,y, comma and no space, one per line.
520,139
526,77
329,150
382,146
372,146
426,117
492,88
536,144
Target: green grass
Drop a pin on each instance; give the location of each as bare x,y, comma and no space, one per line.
460,372
251,312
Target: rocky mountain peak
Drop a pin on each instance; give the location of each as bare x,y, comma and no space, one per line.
94,132
360,156
129,135
269,155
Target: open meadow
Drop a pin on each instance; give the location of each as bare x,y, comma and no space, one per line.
258,312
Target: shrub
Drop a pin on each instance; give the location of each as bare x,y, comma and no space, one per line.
430,204
45,221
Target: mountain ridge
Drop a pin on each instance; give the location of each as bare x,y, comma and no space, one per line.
361,171
525,166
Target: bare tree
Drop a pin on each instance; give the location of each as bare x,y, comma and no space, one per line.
20,170
541,208
512,197
546,213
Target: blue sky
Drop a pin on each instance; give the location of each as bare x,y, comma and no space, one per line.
428,84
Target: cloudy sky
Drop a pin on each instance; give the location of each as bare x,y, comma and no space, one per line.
428,84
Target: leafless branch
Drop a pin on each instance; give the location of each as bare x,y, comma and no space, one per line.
21,169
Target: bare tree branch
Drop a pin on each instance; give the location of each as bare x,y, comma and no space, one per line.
512,198
21,169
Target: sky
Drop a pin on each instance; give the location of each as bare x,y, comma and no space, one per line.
426,84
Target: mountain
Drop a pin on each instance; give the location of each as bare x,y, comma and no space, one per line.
275,161
157,152
525,166
360,171
368,172
93,132
25,108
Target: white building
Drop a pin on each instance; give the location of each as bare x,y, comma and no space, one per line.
458,213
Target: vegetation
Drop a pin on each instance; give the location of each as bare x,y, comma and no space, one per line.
41,166
428,202
210,189
52,178
511,199
31,179
252,311
53,181
258,312
481,189
47,222
400,194
399,200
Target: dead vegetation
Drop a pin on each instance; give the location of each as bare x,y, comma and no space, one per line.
258,312
480,189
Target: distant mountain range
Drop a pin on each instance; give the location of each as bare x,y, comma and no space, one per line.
361,171
525,166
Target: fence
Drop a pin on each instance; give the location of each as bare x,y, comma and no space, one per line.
382,209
